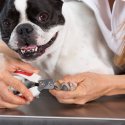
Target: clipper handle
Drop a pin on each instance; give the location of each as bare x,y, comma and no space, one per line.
33,77
21,75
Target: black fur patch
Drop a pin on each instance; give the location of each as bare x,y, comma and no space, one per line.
51,7
9,18
2,2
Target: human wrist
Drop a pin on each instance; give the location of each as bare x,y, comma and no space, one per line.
116,84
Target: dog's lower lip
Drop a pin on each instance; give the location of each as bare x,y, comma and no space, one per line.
34,51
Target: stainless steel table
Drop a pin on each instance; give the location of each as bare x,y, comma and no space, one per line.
47,111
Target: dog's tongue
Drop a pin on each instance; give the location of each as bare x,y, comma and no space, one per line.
29,47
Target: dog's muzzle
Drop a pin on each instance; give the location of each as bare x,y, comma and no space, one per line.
33,51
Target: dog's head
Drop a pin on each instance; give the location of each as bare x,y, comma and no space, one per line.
31,27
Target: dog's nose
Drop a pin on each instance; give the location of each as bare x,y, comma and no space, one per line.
24,29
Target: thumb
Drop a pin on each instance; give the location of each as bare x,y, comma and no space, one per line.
74,78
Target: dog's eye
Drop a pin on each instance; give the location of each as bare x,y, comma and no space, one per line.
6,23
43,17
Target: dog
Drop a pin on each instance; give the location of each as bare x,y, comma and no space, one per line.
58,37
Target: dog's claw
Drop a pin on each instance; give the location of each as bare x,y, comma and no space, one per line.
65,86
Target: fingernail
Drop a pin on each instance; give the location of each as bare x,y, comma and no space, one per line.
30,98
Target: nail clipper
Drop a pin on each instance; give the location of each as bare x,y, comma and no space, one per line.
37,84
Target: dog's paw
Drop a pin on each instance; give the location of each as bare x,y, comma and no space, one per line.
65,86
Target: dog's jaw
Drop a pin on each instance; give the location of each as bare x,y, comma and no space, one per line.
32,52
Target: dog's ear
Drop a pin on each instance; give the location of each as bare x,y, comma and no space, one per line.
57,4
2,2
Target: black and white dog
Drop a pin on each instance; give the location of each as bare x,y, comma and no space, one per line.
59,37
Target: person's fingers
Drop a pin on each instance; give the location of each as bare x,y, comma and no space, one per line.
69,78
26,67
79,92
19,86
66,101
64,94
9,97
77,79
4,104
78,101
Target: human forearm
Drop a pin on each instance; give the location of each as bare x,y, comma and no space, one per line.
118,83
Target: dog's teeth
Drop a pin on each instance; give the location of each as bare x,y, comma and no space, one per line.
36,49
32,50
23,51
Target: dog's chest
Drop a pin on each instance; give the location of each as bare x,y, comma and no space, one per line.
73,60
48,66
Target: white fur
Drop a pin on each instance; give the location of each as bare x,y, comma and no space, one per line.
21,6
79,47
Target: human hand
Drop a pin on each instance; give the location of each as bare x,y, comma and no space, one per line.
8,66
90,86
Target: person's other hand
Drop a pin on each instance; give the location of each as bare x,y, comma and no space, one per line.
90,87
8,66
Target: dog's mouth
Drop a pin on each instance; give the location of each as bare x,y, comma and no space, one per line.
33,51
